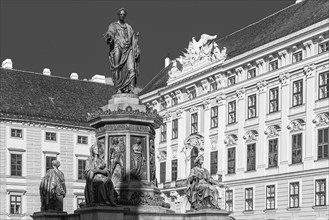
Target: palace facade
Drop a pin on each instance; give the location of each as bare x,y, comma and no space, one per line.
257,107
42,118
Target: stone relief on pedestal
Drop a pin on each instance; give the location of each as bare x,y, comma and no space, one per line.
138,159
117,158
152,163
52,189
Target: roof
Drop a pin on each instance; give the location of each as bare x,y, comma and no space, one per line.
28,96
280,24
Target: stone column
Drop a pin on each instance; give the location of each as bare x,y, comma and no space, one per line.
222,151
241,148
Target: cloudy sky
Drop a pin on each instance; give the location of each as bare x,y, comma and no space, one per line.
66,36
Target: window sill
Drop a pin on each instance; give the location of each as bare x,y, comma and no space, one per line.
248,212
230,174
250,171
296,164
252,118
269,210
16,177
272,168
294,209
296,106
16,215
272,113
321,159
321,207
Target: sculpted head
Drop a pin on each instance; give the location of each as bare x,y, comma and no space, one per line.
55,163
115,141
138,141
199,160
122,13
93,150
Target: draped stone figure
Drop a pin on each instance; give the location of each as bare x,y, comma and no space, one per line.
124,54
202,190
137,160
117,150
99,188
52,189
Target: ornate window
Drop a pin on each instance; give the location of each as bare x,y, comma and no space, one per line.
174,128
297,93
81,169
214,117
194,155
323,143
298,56
273,153
16,133
270,197
174,170
16,164
324,47
163,129
231,80
194,123
82,140
163,104
252,106
251,157
324,85
213,162
274,99
50,136
274,65
15,204
231,160
162,172
251,73
294,195
213,86
231,112
192,92
174,100
296,148
320,192
49,160
229,200
249,199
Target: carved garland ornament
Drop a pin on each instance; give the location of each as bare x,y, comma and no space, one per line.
272,131
194,140
296,125
309,70
220,98
240,92
283,78
261,86
321,119
230,140
251,136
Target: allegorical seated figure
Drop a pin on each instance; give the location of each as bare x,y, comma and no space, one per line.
52,189
202,190
99,188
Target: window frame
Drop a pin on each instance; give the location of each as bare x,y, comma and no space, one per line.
163,172
194,123
213,86
294,56
248,200
276,153
326,85
323,144
230,200
299,92
251,106
270,197
14,131
47,161
231,159
323,193
174,134
213,164
273,67
214,117
81,172
231,112
326,43
296,149
249,157
274,99
20,203
50,136
174,169
11,164
251,73
80,139
163,132
294,194
231,80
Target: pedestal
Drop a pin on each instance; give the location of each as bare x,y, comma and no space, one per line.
48,215
126,129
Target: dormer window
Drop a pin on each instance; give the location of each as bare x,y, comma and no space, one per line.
324,47
213,86
298,56
174,100
231,80
251,73
191,92
163,104
274,65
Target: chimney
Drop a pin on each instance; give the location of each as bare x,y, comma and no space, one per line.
7,64
74,76
167,61
98,78
46,71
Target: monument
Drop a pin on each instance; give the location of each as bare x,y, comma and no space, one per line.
120,172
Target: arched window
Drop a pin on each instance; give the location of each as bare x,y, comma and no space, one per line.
194,154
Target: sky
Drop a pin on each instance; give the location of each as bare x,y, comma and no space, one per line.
66,36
